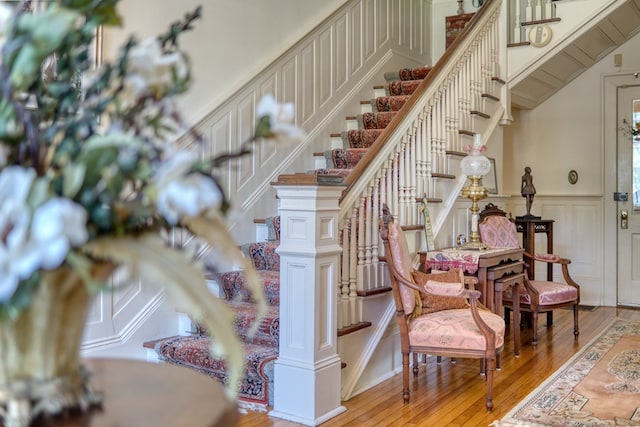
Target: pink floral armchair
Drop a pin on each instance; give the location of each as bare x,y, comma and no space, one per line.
496,230
453,326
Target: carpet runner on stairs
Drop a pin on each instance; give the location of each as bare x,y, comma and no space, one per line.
399,87
261,349
256,391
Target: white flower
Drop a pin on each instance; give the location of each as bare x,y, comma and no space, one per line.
190,196
30,242
15,216
14,223
150,71
6,15
15,182
182,192
58,225
281,118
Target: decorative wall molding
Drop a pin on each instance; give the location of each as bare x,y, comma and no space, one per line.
329,67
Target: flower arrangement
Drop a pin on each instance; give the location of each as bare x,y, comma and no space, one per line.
89,168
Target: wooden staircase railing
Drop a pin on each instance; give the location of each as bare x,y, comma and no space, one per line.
528,12
403,164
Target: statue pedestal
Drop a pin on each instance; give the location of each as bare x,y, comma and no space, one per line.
528,217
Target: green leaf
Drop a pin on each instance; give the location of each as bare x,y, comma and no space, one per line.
25,69
73,175
39,192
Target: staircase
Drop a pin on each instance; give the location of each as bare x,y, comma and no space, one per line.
402,154
256,391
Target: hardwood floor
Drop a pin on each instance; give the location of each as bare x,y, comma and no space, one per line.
453,394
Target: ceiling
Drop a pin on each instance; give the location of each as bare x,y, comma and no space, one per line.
560,68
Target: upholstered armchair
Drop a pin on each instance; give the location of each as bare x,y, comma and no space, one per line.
499,231
437,314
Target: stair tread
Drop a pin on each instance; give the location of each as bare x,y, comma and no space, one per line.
152,343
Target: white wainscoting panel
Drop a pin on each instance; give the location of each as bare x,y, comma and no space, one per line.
578,234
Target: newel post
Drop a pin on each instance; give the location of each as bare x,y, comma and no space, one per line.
308,369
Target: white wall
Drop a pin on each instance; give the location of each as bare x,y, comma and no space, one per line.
442,9
230,44
569,131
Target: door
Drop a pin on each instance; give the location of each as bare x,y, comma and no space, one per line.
629,182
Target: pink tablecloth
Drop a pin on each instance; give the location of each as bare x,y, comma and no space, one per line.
448,258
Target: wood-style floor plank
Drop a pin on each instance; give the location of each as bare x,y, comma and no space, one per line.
454,394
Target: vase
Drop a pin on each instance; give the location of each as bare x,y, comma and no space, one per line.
40,369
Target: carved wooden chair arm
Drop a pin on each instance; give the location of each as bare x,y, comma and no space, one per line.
548,258
408,283
470,282
462,293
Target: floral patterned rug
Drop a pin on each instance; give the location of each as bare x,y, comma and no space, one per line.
599,386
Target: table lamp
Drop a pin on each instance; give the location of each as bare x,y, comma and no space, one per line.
475,165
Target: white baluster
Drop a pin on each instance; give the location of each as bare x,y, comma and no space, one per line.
353,266
389,182
394,183
547,9
413,170
516,21
375,224
528,12
401,178
368,280
360,271
343,302
420,156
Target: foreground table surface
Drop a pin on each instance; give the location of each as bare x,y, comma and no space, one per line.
142,394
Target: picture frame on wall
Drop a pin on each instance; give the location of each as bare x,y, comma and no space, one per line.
490,180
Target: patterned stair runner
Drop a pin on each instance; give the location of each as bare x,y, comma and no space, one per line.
261,348
400,86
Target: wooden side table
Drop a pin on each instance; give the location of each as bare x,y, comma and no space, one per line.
529,228
144,394
510,261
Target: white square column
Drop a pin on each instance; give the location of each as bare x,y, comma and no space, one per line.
308,369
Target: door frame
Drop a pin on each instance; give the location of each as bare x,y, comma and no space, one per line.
609,96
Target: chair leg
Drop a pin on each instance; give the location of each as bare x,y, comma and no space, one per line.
491,366
415,364
516,332
507,319
576,330
405,378
534,326
550,318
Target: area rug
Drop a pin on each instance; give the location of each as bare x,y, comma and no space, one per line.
599,386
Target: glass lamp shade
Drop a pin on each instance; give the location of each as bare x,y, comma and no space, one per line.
475,164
